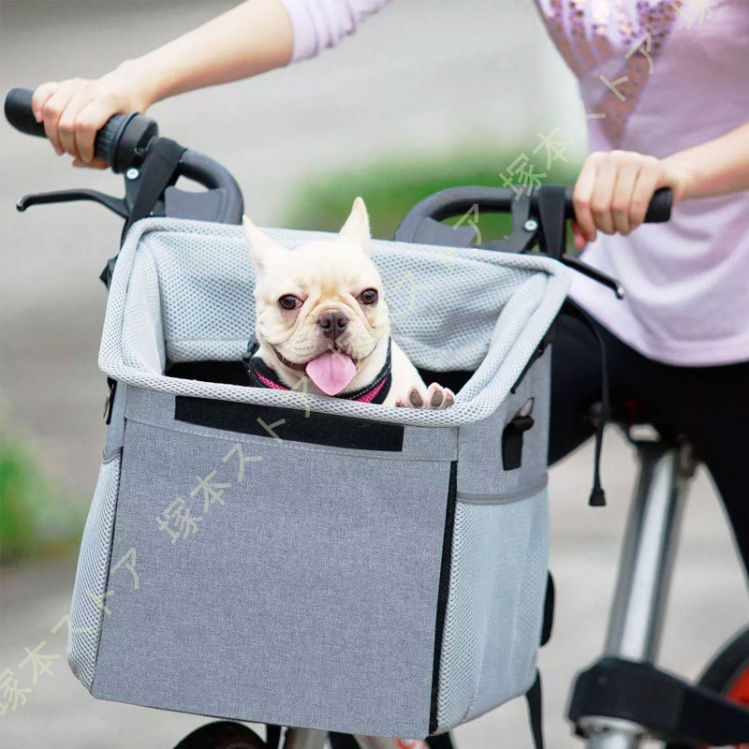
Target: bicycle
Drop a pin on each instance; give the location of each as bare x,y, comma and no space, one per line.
609,718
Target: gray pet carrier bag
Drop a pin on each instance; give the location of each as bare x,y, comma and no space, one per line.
281,558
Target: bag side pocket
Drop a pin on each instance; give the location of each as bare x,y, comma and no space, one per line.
88,606
495,606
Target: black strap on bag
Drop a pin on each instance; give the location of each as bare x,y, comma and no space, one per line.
534,698
158,171
440,741
272,736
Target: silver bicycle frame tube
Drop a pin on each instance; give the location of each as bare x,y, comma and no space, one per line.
645,568
304,738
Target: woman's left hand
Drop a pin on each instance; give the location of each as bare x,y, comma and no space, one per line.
614,189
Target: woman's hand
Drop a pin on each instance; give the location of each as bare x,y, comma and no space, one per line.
614,189
73,111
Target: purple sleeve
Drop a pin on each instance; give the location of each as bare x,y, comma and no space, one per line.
319,24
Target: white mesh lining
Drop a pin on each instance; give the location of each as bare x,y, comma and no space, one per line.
92,573
445,305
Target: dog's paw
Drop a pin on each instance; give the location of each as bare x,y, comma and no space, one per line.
433,397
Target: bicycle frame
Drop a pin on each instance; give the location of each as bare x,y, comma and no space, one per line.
624,697
645,571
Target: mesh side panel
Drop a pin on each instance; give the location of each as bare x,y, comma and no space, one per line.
142,329
86,611
507,671
460,640
495,607
472,309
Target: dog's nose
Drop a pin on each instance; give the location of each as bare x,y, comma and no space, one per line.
333,323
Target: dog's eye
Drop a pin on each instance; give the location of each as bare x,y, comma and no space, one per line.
289,302
368,296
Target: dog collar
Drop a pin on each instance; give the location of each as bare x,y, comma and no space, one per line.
262,376
290,364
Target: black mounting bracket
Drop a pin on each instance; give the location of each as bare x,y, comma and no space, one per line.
669,708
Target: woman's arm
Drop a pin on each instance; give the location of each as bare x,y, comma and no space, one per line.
717,167
254,37
249,39
614,188
319,24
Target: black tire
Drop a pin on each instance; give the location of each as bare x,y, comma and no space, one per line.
223,734
728,671
729,665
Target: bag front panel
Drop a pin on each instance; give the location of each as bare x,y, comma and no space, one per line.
279,581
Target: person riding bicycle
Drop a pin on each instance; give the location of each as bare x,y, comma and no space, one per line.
663,85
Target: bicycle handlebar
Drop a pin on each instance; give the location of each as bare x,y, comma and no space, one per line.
123,142
455,201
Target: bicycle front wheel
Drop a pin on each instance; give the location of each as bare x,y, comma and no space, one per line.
728,674
222,734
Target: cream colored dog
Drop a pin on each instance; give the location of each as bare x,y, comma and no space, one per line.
321,314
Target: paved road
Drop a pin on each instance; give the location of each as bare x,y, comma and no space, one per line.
352,106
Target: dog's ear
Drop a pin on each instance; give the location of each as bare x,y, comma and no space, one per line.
262,247
356,228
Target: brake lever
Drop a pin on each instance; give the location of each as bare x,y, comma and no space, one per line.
572,262
116,205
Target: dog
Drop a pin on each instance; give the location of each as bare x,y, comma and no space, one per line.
322,315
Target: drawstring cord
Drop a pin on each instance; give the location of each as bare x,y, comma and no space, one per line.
597,495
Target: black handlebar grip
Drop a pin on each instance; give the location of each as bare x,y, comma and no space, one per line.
660,206
121,142
658,212
19,113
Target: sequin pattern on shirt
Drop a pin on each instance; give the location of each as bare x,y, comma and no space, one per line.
589,33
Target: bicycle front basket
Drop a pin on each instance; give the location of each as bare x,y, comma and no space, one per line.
299,560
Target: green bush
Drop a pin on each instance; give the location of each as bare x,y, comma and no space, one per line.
390,188
35,519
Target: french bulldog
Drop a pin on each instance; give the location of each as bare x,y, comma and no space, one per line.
322,315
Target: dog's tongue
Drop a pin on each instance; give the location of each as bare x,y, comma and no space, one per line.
331,372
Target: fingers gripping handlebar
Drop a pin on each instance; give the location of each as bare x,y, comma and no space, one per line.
124,143
456,201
